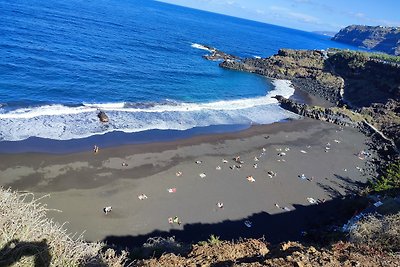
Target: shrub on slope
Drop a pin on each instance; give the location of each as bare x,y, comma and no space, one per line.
29,238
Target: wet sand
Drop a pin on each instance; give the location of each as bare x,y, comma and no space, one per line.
81,184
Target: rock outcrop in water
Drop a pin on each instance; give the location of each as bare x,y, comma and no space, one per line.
384,39
103,116
218,55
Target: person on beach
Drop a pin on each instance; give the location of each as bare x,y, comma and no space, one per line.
237,159
95,149
176,220
107,210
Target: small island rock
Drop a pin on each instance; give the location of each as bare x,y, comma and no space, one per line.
103,116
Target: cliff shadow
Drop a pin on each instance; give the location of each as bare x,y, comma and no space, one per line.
342,186
301,223
14,250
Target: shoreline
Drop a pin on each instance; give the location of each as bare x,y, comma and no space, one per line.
120,138
81,184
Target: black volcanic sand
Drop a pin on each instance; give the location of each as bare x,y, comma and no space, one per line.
81,184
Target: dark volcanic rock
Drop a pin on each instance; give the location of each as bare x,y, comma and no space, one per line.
387,147
305,68
318,113
103,116
385,39
340,76
367,80
370,86
386,117
217,55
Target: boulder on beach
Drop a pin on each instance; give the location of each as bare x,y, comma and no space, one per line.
102,116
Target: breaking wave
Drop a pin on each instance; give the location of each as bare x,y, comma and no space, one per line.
62,122
199,46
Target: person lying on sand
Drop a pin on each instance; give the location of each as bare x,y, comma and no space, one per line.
176,220
95,149
250,178
171,190
220,205
142,196
107,209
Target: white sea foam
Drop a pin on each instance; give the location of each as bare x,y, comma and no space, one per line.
199,46
258,57
105,105
62,123
48,110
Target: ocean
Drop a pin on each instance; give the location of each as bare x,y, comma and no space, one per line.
140,61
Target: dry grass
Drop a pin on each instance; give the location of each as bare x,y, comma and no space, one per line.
381,232
29,238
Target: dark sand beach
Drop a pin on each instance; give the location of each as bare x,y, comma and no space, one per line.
278,206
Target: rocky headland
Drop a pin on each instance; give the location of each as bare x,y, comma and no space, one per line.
218,55
364,92
364,89
379,38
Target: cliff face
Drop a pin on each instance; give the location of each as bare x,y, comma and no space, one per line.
385,39
367,80
370,85
336,76
305,68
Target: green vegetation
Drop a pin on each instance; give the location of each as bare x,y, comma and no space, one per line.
29,238
389,180
213,241
365,55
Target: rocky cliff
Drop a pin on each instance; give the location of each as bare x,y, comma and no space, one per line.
384,39
355,78
368,85
305,68
386,147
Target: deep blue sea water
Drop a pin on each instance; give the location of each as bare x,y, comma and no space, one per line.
139,61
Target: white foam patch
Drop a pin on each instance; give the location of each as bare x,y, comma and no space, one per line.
199,46
64,123
105,105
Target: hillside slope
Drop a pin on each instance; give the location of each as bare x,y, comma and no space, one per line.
384,39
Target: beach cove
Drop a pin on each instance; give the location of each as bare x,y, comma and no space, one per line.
300,169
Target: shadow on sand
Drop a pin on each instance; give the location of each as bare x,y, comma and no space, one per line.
294,225
14,250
